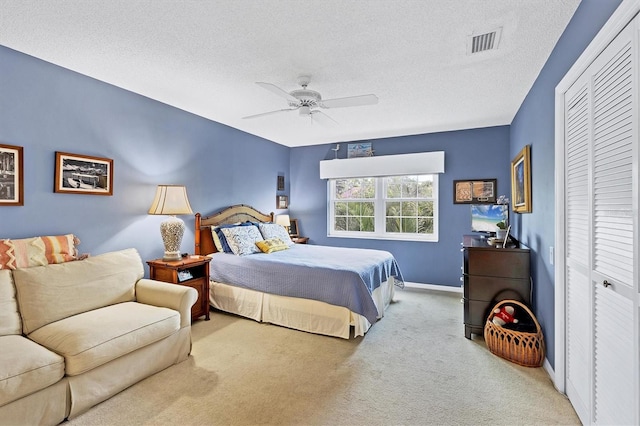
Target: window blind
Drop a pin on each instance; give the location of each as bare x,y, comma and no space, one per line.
384,165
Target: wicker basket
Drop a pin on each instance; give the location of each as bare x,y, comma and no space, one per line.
526,349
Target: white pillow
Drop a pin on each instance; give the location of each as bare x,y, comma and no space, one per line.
273,230
242,239
216,239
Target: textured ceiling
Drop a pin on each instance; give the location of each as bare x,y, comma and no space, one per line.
205,57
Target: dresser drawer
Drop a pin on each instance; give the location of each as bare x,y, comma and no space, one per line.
495,289
476,313
497,263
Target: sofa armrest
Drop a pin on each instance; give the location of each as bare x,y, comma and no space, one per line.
177,297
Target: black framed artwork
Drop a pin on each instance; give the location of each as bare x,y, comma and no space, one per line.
475,191
293,228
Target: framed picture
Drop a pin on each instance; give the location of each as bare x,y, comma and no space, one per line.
282,201
293,228
477,191
521,181
11,176
83,174
359,150
280,185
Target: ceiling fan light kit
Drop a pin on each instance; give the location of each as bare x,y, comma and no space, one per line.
308,101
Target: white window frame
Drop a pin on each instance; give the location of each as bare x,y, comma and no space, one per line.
379,208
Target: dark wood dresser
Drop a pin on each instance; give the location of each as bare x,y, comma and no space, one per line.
492,274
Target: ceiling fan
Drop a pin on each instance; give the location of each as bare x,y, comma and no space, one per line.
307,102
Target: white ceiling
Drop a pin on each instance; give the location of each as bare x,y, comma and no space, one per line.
205,56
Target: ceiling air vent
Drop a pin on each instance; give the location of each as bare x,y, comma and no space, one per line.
483,42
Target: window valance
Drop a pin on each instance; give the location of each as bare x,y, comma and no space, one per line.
384,165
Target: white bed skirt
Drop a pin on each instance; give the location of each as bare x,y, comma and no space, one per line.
301,314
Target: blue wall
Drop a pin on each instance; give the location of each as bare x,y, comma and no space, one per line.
45,108
469,154
534,124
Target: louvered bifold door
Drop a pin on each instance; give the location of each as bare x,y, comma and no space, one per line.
613,275
577,281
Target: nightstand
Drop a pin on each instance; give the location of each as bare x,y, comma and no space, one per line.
190,271
300,240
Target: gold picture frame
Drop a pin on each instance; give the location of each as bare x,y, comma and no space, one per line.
521,181
83,174
11,176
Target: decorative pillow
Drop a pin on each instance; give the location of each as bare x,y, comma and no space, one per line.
7,256
273,230
271,245
242,239
224,245
38,251
60,248
216,239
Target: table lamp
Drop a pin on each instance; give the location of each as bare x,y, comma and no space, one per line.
171,200
283,219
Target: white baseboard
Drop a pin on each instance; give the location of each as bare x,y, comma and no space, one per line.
435,287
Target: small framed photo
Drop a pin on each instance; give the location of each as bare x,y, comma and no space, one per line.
476,191
282,202
83,174
184,275
521,181
280,185
359,150
11,176
293,228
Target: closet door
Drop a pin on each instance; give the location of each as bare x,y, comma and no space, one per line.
578,243
615,179
601,247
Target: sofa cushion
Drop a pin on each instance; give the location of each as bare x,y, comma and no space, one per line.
26,367
93,338
10,322
50,293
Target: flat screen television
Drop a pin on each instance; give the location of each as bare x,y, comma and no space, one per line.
485,217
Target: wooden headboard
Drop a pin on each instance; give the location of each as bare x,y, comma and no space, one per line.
233,214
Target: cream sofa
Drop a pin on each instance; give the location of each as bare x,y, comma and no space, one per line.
74,334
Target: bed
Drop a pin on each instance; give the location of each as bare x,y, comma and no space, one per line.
341,297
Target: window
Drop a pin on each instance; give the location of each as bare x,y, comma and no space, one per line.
395,207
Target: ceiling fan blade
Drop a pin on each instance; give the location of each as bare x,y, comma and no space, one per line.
349,101
270,112
278,91
323,119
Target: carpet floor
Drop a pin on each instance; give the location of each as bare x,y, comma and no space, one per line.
414,367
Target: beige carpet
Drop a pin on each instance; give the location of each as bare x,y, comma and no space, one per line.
414,367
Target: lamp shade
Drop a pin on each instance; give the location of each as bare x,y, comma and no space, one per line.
171,200
283,219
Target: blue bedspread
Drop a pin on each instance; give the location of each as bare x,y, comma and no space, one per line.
339,276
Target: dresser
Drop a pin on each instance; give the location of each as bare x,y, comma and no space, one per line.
491,274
